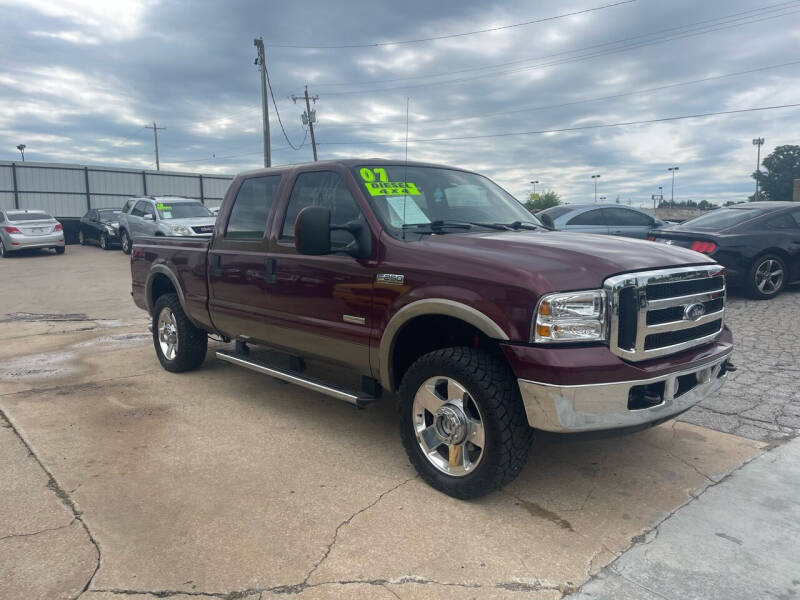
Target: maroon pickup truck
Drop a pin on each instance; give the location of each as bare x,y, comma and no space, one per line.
436,285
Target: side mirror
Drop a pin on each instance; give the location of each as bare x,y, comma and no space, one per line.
547,221
312,231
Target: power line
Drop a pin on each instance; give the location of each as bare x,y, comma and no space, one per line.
535,107
759,11
288,141
567,129
451,35
567,60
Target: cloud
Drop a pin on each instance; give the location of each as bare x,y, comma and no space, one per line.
90,75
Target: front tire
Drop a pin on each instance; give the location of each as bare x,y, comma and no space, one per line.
104,241
767,277
81,238
180,346
463,423
3,252
125,241
60,249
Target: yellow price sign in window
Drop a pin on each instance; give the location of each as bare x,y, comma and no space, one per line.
391,188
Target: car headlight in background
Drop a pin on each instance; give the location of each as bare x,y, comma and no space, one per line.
179,230
111,230
571,317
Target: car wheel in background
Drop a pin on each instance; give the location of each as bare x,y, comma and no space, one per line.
3,252
463,423
60,249
125,240
104,241
180,346
767,277
81,238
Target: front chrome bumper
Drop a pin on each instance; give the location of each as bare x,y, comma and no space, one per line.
602,406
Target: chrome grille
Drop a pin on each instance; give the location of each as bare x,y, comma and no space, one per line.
654,313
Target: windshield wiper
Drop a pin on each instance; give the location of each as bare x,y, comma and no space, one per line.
437,226
517,225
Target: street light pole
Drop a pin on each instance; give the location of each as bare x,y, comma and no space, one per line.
672,195
758,142
534,186
21,149
595,177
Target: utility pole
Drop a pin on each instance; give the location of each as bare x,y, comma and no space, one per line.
758,142
595,177
672,170
155,139
21,149
309,117
261,61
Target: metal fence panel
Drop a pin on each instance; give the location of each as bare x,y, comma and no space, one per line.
62,189
49,179
130,183
215,187
172,185
6,179
58,205
6,200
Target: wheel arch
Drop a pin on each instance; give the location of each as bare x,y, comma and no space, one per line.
160,281
428,311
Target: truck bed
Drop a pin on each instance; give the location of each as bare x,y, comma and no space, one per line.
183,262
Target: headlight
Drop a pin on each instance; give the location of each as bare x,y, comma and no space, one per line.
111,230
571,317
180,230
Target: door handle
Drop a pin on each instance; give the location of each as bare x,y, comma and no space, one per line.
216,265
272,267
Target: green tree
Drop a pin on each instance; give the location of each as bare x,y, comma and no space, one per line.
781,168
539,202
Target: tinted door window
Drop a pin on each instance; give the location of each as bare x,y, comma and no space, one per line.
590,217
140,209
784,221
248,219
322,188
622,217
795,216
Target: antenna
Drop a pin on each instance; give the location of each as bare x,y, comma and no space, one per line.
405,172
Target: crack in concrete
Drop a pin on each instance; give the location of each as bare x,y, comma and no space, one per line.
347,522
33,533
62,495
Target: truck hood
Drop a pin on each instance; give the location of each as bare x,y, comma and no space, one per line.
558,260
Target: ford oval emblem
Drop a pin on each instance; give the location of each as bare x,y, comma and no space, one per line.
694,312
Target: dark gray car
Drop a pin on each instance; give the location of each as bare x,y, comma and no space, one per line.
612,219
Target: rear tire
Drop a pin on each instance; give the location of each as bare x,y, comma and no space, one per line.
767,277
492,413
3,252
60,249
125,240
81,238
180,346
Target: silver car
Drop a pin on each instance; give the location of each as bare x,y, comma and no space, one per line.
611,219
163,215
28,229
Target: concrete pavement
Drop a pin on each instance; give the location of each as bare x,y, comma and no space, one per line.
739,540
131,482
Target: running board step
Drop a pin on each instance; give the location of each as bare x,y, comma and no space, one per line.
358,399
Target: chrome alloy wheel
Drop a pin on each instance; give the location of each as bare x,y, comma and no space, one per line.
449,426
167,333
769,276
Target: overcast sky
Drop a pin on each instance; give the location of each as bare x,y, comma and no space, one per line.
79,79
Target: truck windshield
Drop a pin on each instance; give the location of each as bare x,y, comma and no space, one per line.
430,198
182,210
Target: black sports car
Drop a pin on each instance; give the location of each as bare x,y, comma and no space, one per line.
100,226
758,243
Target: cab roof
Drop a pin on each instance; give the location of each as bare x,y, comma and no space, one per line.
347,163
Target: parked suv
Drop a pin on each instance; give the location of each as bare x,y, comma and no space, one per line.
163,215
435,284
